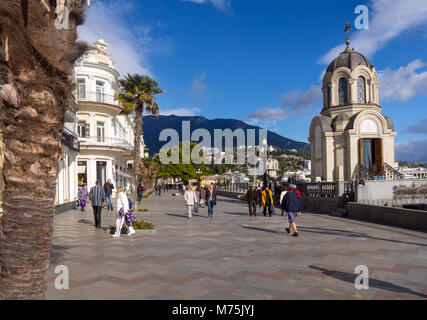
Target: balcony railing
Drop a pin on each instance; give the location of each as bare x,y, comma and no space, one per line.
99,97
107,142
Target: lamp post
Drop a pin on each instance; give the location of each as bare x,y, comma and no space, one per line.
264,162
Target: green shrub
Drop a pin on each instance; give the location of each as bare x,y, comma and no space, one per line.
142,225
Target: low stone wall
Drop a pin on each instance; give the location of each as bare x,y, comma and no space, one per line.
234,195
399,217
322,205
61,208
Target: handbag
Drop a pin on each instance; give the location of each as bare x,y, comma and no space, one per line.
130,218
121,212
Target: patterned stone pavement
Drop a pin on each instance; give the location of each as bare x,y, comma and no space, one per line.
235,256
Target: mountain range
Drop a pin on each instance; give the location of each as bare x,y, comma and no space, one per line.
153,125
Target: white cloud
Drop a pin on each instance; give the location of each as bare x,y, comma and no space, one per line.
182,112
129,48
298,102
419,128
268,113
388,20
199,90
404,83
293,103
223,5
415,150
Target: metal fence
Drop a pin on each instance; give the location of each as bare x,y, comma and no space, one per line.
309,190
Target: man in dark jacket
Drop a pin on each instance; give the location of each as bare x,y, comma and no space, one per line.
108,189
251,197
292,205
97,197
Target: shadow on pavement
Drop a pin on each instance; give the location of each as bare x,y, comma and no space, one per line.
350,234
261,229
185,216
373,283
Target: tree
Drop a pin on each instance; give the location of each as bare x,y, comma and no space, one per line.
36,67
137,95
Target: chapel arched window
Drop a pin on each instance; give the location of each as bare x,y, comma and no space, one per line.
361,90
343,92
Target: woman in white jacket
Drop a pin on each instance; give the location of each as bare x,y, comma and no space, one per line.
122,202
191,200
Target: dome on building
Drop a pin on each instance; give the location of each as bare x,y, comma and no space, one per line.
349,59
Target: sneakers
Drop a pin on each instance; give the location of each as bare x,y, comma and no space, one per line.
288,230
295,234
115,236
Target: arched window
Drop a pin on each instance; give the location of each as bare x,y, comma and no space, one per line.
343,91
361,90
329,98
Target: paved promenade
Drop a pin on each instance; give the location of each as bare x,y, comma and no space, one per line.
235,256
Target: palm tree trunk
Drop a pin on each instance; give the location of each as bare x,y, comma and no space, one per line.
137,147
36,63
32,147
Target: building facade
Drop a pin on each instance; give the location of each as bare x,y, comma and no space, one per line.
106,135
66,182
272,167
351,139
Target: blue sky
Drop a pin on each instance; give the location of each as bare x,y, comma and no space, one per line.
261,61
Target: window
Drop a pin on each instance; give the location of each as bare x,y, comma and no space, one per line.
329,96
100,131
361,90
99,91
83,129
81,89
343,93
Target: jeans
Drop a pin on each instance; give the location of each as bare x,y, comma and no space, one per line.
210,208
109,201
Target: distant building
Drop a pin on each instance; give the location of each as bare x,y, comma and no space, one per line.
272,167
307,165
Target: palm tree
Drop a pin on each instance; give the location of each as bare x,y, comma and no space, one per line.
36,66
137,94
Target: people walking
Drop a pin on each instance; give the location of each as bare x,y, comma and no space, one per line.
282,195
140,191
122,210
292,205
259,196
251,197
82,197
202,195
267,201
108,189
210,198
97,197
190,198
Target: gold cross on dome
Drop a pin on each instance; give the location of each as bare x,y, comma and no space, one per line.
347,29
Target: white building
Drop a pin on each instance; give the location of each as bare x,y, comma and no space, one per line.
272,167
106,136
307,165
